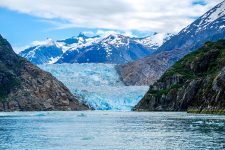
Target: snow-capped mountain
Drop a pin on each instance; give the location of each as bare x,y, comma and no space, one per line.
43,52
209,27
49,51
156,40
113,48
76,42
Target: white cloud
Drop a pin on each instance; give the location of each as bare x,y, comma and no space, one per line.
105,33
18,49
125,15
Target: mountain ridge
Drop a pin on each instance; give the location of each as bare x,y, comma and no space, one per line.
112,48
147,70
194,84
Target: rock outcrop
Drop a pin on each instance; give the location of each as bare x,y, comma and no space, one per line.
148,70
25,87
196,83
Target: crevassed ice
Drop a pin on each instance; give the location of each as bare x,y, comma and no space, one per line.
98,85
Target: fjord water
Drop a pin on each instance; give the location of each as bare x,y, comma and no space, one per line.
98,85
105,130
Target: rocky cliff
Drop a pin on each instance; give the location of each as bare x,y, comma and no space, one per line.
196,83
25,87
146,71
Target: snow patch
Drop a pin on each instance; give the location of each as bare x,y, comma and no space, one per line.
218,12
155,40
221,27
53,60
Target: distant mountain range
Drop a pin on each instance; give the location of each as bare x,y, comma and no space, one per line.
209,27
113,48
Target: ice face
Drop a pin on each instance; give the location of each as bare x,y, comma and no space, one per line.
98,85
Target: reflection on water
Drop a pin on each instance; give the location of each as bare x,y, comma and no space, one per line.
99,130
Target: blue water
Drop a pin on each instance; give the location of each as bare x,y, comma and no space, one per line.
100,130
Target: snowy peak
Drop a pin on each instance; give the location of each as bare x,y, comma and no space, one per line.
49,51
73,42
83,37
209,27
116,40
111,48
42,52
68,41
116,36
215,13
211,19
47,42
37,46
156,40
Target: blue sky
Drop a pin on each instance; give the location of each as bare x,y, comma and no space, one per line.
21,29
24,21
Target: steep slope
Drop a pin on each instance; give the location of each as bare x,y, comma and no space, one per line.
146,71
24,87
194,84
154,41
209,27
45,52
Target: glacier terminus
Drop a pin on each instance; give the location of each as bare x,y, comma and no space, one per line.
98,85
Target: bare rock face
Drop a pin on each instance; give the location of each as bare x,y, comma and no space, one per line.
196,83
148,70
25,87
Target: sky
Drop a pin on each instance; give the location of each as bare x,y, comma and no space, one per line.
25,21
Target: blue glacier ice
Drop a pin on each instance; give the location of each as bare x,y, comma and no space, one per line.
98,85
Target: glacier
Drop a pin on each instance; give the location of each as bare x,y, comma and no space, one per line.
98,85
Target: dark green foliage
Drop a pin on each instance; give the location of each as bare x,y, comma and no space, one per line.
188,84
183,67
9,84
159,93
10,68
3,42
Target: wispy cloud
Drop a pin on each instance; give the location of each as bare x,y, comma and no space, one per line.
18,49
125,15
